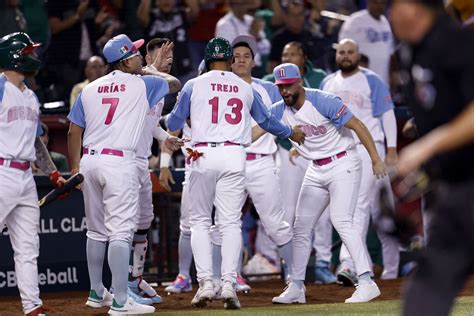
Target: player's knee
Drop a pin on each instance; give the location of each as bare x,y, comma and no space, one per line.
97,236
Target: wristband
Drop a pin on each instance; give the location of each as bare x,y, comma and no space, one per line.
54,177
165,159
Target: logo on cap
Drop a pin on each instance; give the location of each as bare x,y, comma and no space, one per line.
124,49
281,72
286,74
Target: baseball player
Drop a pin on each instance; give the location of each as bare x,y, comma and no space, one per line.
368,97
20,146
332,178
261,181
220,105
159,57
182,283
291,170
111,111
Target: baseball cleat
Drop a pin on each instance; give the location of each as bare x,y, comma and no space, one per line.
322,274
292,294
204,294
241,285
180,285
38,310
143,289
347,278
138,298
229,295
364,293
130,308
96,301
217,289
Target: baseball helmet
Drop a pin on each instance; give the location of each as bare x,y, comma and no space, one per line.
217,49
15,49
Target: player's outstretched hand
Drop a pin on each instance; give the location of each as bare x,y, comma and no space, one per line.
161,62
379,168
166,177
293,153
297,134
173,143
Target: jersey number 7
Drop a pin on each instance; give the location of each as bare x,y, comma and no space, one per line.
113,106
233,118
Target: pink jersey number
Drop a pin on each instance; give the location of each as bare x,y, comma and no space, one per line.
113,106
233,118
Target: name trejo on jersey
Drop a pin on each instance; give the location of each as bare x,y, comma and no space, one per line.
224,87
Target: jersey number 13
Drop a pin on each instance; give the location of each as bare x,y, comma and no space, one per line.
232,118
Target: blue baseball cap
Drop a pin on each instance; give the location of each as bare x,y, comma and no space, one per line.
120,47
286,74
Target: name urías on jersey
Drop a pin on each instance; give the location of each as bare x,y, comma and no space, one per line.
111,88
224,87
21,113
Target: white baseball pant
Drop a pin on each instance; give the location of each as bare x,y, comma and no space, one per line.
367,205
335,184
217,178
20,212
110,191
145,197
291,179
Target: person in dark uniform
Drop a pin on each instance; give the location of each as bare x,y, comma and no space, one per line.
436,58
168,20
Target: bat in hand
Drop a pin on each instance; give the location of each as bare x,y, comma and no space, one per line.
68,186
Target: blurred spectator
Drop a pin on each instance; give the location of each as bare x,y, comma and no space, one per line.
129,17
238,22
293,31
107,21
37,21
295,53
72,24
272,16
326,29
11,18
210,11
371,30
167,20
59,159
95,68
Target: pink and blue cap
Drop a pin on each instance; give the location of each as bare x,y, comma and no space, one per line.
286,74
120,47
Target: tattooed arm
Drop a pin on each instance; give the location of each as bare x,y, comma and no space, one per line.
43,159
44,162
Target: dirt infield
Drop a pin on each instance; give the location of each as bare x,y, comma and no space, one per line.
72,303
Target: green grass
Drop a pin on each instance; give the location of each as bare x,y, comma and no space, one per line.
464,307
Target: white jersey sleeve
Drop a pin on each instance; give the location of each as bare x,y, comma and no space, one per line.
266,143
